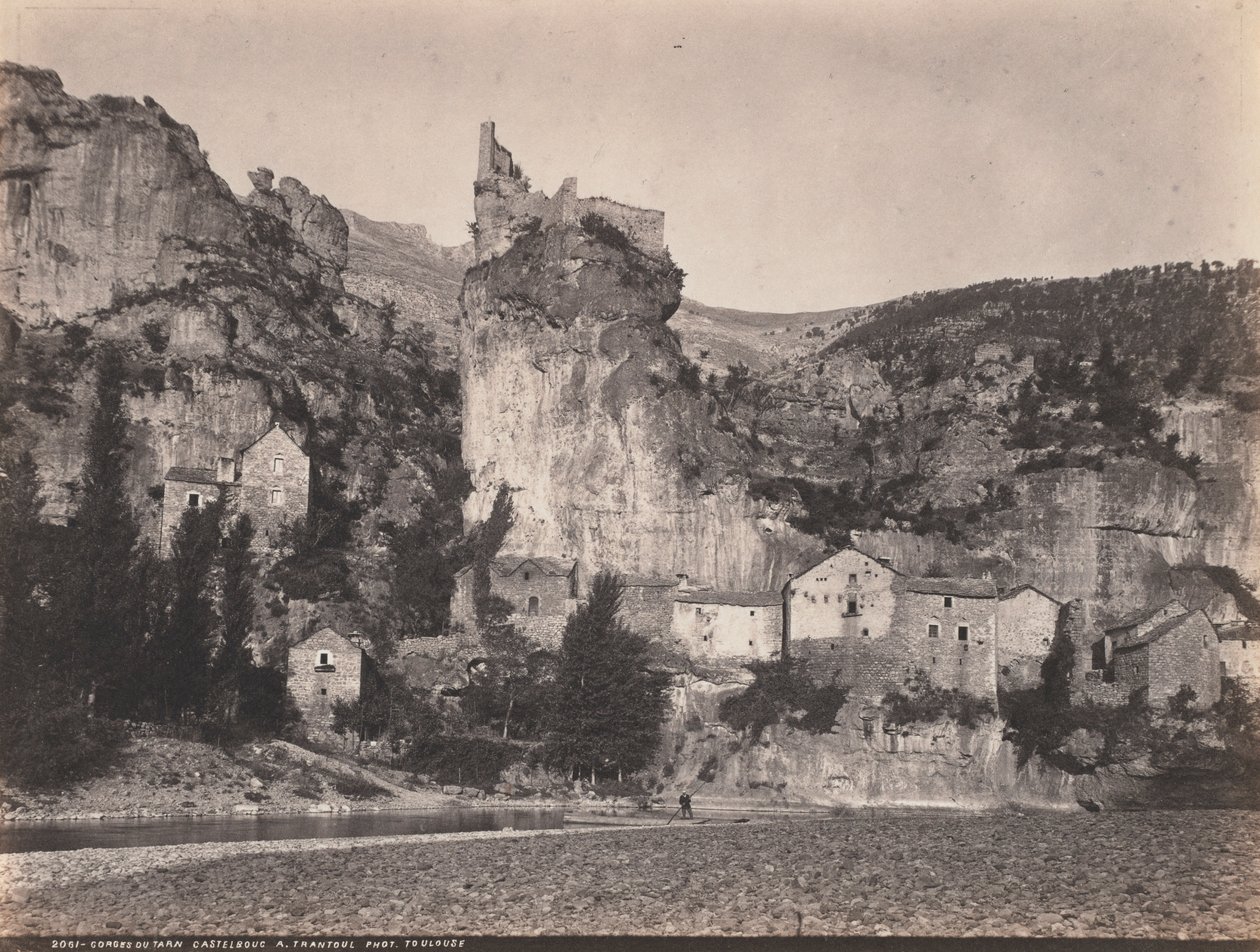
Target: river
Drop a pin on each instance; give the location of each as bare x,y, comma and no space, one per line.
54,835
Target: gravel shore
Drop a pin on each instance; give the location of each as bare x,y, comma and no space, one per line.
1164,874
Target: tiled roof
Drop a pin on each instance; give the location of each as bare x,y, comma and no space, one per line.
1160,630
962,587
189,474
1026,588
744,599
507,564
1144,614
817,562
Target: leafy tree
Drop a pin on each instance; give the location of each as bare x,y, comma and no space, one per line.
609,700
22,618
738,379
1056,669
514,680
422,555
183,651
236,607
486,542
102,643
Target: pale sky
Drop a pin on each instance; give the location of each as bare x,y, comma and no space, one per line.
807,155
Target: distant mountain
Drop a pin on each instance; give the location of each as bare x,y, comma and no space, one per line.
400,263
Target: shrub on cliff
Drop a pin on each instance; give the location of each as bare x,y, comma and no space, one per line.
922,702
782,692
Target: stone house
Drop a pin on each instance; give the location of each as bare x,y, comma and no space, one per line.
854,618
269,479
1027,619
1240,652
1130,628
740,625
323,668
1159,660
543,592
647,605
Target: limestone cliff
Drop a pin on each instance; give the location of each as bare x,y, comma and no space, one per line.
229,315
572,398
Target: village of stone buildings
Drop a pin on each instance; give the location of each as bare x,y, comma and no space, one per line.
852,618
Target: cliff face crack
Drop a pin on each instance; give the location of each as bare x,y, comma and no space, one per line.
1144,532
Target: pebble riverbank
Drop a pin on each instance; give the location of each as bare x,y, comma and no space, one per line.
1165,874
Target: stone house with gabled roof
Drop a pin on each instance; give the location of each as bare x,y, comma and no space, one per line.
734,625
853,617
1027,620
541,590
324,668
1158,660
269,479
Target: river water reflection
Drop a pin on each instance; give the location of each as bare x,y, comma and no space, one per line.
36,835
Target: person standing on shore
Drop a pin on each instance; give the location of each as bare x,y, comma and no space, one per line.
684,802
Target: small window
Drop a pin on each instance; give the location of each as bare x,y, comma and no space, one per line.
277,465
853,578
1224,672
1205,641
851,608
323,691
934,659
533,606
833,646
24,200
750,644
704,637
934,631
752,614
866,632
527,576
323,657
277,497
963,632
826,599
194,500
1045,642
949,601
699,612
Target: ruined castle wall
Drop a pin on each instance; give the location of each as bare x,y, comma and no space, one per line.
869,667
643,226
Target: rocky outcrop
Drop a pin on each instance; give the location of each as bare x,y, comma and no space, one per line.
98,198
314,220
228,315
572,399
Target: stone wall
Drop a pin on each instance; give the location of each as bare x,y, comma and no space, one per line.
1241,659
819,598
1190,655
952,662
314,686
273,493
715,630
869,667
175,500
492,158
1026,625
649,609
645,227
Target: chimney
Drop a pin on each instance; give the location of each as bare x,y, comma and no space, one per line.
227,469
